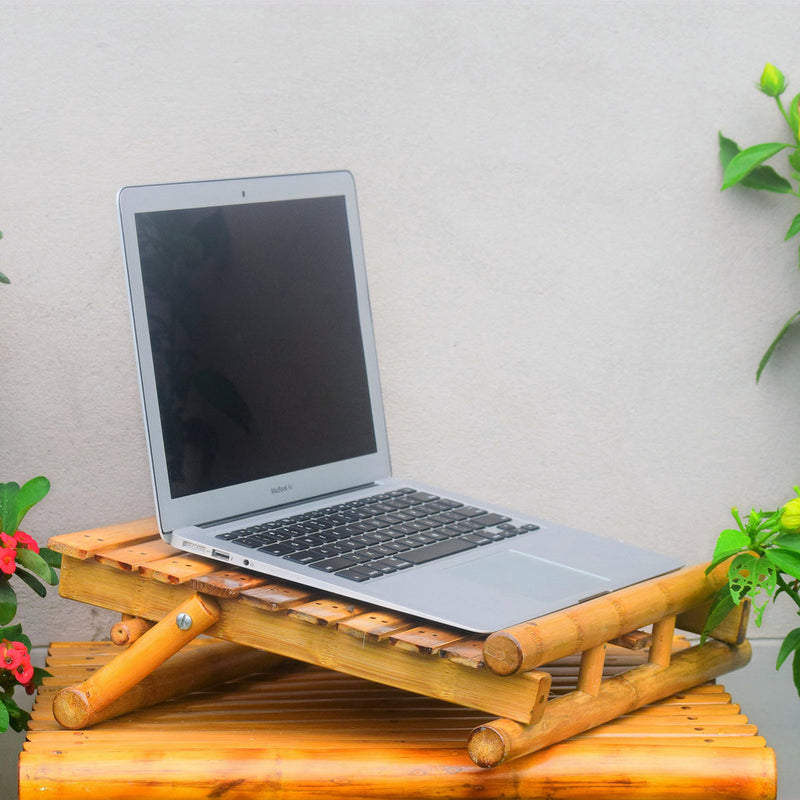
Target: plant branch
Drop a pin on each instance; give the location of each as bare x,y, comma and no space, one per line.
789,590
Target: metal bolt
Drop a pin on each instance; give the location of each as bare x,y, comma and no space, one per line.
183,621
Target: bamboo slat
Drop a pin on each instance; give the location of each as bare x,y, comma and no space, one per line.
84,544
311,733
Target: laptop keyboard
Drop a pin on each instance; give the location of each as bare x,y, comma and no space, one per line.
378,535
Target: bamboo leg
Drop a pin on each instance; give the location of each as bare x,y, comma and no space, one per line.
80,706
576,712
190,670
591,671
661,648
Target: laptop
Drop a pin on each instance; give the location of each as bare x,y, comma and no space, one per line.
265,424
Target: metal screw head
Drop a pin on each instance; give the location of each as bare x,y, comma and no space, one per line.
183,621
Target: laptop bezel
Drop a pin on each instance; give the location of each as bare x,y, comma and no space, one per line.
271,491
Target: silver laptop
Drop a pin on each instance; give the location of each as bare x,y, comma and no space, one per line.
265,424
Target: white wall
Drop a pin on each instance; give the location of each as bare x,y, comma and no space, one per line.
569,312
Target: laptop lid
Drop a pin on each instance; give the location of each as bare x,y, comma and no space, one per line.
236,420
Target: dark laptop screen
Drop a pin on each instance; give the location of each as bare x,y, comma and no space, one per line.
256,344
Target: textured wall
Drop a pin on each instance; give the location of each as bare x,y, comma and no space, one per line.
569,313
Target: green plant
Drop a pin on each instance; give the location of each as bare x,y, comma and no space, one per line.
20,557
747,168
765,553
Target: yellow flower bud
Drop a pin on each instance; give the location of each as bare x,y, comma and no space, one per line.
790,516
772,81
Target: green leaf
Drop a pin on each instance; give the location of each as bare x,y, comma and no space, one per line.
796,670
4,716
8,603
721,606
30,494
744,162
794,115
51,557
4,278
794,228
763,178
785,560
12,632
36,564
788,541
771,349
729,543
32,581
789,645
727,150
753,577
17,717
39,675
8,506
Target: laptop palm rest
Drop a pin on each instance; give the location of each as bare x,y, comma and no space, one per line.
529,576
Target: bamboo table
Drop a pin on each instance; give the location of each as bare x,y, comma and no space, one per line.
168,597
301,731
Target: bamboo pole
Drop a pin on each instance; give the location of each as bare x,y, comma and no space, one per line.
536,642
129,630
82,705
567,772
189,670
576,712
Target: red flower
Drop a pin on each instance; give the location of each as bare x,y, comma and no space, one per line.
8,541
27,541
15,658
10,654
24,672
8,563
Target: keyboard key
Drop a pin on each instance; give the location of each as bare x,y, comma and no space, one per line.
489,520
277,549
477,538
352,575
433,551
467,511
393,563
334,564
303,557
367,571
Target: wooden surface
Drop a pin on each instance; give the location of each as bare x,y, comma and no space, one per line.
304,732
144,579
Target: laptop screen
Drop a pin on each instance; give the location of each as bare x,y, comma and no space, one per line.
255,337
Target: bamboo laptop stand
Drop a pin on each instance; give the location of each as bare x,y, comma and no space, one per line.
127,568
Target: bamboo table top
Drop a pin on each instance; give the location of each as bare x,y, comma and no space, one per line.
301,731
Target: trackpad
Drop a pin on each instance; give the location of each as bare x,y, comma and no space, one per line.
527,575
